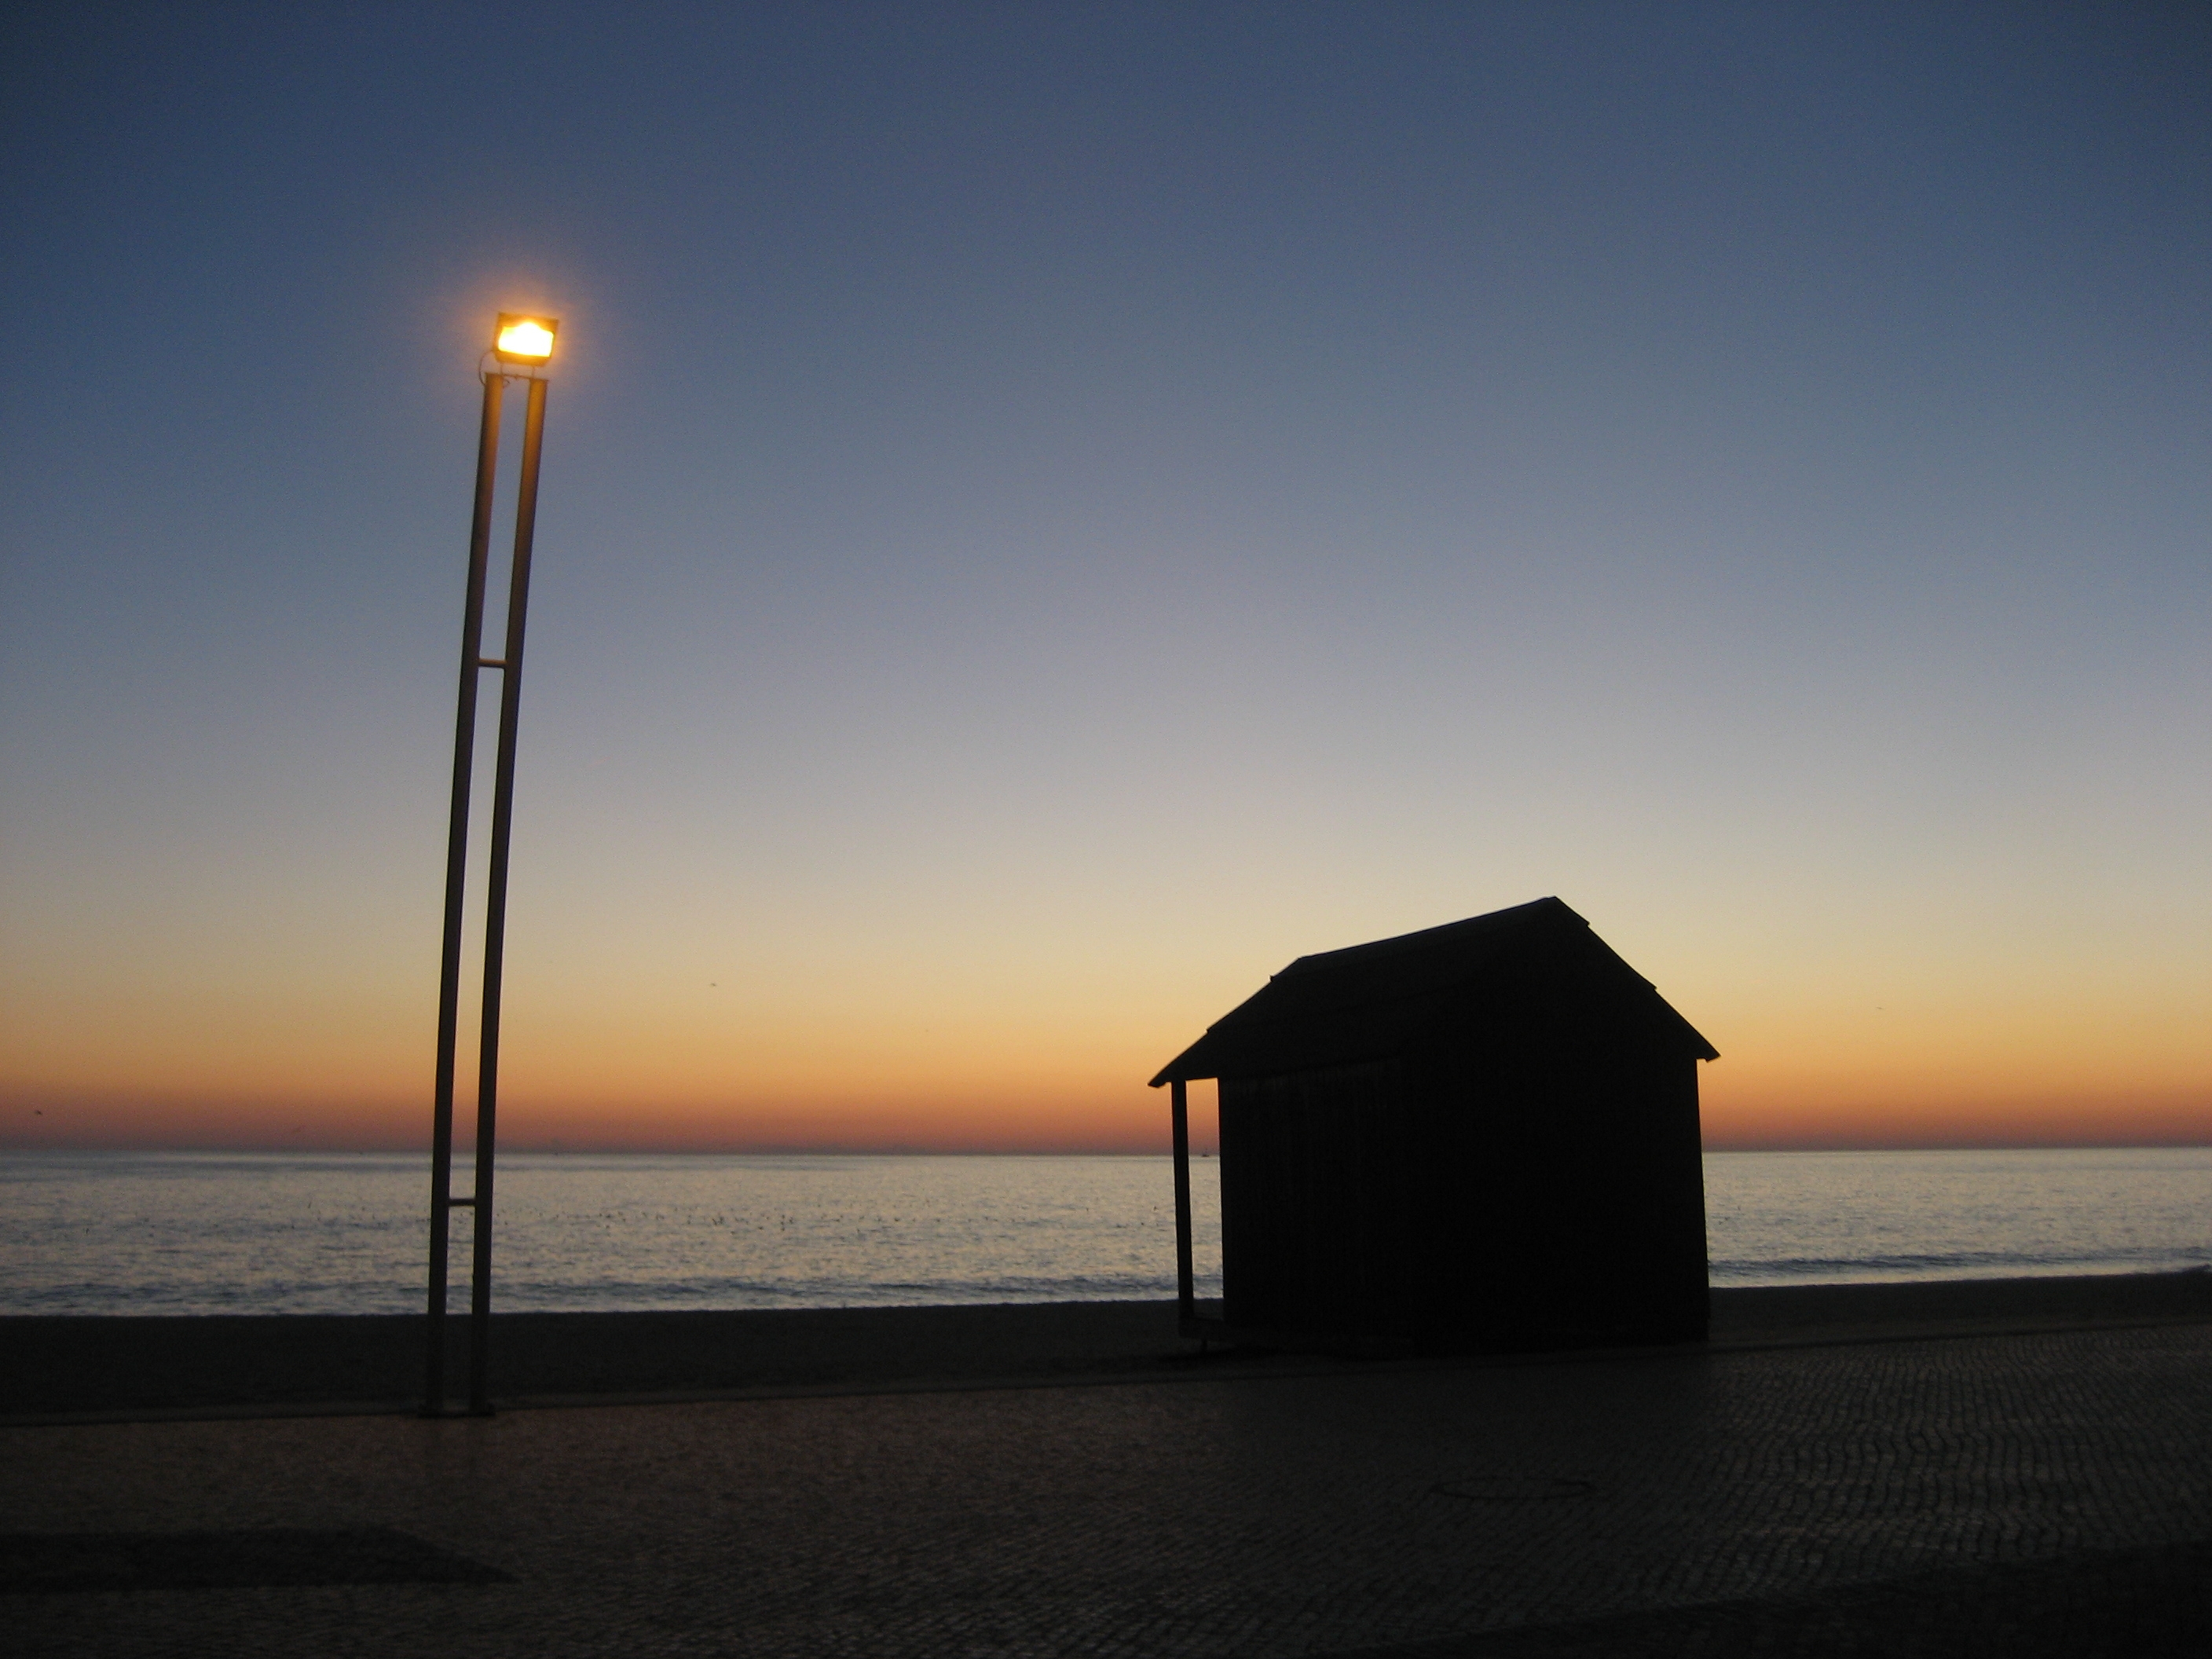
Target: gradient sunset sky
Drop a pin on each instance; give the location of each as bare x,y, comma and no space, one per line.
1052,511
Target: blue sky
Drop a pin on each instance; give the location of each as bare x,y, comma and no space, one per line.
1051,511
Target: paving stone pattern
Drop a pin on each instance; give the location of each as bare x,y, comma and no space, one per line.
72,1563
2120,1602
1816,1500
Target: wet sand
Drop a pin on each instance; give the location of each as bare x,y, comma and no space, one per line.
123,1366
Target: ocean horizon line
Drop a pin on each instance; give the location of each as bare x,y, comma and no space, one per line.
295,1149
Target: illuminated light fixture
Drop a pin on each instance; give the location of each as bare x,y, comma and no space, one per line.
524,339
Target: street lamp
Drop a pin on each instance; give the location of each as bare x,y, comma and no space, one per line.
521,347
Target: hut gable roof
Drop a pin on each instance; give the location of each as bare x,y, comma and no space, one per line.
1367,1002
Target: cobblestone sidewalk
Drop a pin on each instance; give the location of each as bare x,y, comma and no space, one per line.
2018,1494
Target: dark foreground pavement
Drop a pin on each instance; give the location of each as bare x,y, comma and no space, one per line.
54,1368
2004,1495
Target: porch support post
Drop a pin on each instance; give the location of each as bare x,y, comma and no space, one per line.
1186,1283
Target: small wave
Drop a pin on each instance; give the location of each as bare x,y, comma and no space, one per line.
1955,1264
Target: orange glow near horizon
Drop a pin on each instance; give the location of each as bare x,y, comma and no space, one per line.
1129,1121
624,1031
565,1091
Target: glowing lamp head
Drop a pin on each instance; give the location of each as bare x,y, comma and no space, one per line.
524,339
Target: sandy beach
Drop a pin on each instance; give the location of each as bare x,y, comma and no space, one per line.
64,1367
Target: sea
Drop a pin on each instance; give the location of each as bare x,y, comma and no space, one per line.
191,1233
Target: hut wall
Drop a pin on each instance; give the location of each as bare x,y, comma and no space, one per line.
1467,1195
1313,1216
1579,1209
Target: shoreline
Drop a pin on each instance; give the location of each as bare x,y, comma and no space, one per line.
109,1367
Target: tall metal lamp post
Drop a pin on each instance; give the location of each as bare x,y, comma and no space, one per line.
521,347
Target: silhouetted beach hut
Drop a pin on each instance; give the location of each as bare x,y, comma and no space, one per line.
1480,1135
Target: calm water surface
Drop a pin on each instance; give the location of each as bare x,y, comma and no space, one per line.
193,1233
